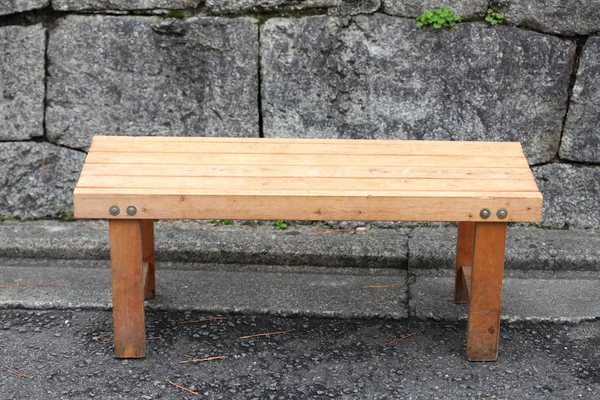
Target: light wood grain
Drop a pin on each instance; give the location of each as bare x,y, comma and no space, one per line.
467,274
304,146
485,301
308,171
419,206
98,157
147,226
332,184
127,288
464,256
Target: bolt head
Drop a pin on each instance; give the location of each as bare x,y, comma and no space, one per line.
114,211
502,213
131,210
485,213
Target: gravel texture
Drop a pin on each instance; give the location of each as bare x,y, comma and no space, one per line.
319,359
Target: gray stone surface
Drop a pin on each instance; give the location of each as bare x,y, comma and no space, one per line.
22,73
414,8
382,77
571,194
563,17
237,6
526,249
151,76
355,7
16,6
215,291
581,137
559,300
37,178
201,243
79,5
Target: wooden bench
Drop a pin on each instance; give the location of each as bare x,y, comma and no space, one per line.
135,180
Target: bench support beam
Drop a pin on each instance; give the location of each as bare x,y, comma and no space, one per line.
148,256
464,256
486,291
128,285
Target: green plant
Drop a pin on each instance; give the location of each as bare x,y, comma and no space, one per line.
176,14
218,222
279,224
63,213
7,217
494,17
439,18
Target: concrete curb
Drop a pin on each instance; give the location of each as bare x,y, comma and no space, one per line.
296,291
199,242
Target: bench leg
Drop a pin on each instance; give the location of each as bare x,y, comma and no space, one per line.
128,288
486,291
148,256
464,257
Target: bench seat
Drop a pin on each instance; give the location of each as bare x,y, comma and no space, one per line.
135,180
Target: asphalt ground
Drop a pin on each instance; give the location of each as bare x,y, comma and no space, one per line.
67,354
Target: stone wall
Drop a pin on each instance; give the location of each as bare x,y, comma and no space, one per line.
71,69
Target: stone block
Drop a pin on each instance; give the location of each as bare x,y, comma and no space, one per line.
22,54
414,8
88,5
238,6
581,136
355,7
151,76
381,77
17,6
560,17
571,194
37,178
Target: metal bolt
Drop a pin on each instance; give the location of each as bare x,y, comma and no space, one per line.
485,213
131,211
114,211
502,213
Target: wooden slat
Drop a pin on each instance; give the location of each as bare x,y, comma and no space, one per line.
339,184
485,301
304,146
302,160
467,272
306,194
291,171
90,203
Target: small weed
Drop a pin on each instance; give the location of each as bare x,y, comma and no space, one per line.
7,217
439,18
494,17
175,14
279,224
552,228
368,228
219,222
65,214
